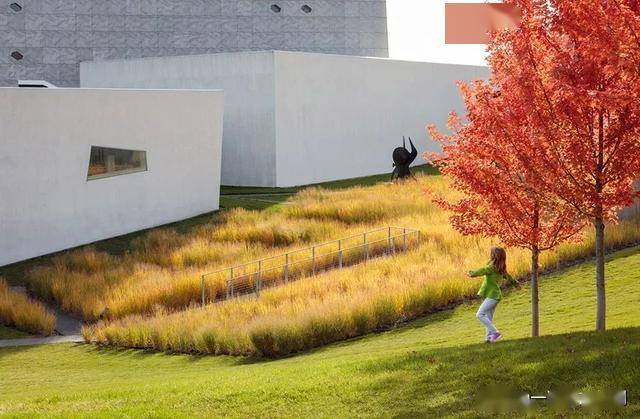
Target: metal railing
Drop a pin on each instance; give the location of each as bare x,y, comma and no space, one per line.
251,278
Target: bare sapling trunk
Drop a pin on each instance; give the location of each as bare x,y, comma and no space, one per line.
601,309
535,313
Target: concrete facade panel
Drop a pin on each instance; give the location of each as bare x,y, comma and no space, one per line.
47,202
112,29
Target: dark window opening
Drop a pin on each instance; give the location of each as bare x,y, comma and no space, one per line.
306,8
17,55
275,8
15,7
106,162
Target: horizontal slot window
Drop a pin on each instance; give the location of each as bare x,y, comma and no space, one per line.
106,162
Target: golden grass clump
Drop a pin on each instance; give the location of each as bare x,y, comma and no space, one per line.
20,312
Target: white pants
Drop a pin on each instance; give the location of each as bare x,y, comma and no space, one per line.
485,314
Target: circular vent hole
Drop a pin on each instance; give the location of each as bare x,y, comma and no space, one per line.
275,8
306,8
15,7
17,55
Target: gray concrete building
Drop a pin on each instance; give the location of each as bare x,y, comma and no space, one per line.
47,39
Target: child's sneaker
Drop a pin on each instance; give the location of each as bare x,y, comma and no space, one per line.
495,336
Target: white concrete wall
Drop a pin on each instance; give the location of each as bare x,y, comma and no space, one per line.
340,117
634,210
248,153
47,204
298,118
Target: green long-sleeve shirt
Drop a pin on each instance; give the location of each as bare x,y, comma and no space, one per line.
491,285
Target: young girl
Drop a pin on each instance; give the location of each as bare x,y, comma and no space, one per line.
493,273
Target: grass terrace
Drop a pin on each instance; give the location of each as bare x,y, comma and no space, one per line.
431,367
145,291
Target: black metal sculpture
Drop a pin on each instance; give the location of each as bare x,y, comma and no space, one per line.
402,160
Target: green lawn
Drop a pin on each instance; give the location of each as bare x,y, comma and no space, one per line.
432,367
253,201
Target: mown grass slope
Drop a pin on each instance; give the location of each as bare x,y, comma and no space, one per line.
431,367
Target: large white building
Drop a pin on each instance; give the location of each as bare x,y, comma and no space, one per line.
295,118
81,165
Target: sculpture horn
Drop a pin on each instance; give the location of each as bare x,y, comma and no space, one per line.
414,152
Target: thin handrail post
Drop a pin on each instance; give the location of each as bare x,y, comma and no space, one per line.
202,290
231,282
286,268
340,254
313,260
259,281
366,248
404,239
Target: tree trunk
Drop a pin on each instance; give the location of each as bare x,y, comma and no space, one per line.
535,314
601,309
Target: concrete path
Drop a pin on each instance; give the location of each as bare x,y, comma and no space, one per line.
11,343
68,327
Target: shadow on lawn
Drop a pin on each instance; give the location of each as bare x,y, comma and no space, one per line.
438,382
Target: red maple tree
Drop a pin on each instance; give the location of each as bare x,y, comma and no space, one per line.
569,79
572,71
499,199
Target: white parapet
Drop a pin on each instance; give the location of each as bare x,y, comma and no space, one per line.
50,198
294,118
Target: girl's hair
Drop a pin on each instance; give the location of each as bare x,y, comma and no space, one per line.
499,260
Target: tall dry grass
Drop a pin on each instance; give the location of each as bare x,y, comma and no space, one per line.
333,306
20,312
163,267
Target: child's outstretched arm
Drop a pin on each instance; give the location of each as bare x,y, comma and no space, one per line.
479,272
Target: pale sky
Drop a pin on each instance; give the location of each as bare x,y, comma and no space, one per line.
416,33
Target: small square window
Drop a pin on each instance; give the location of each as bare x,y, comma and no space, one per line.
306,8
106,162
15,7
17,55
275,8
